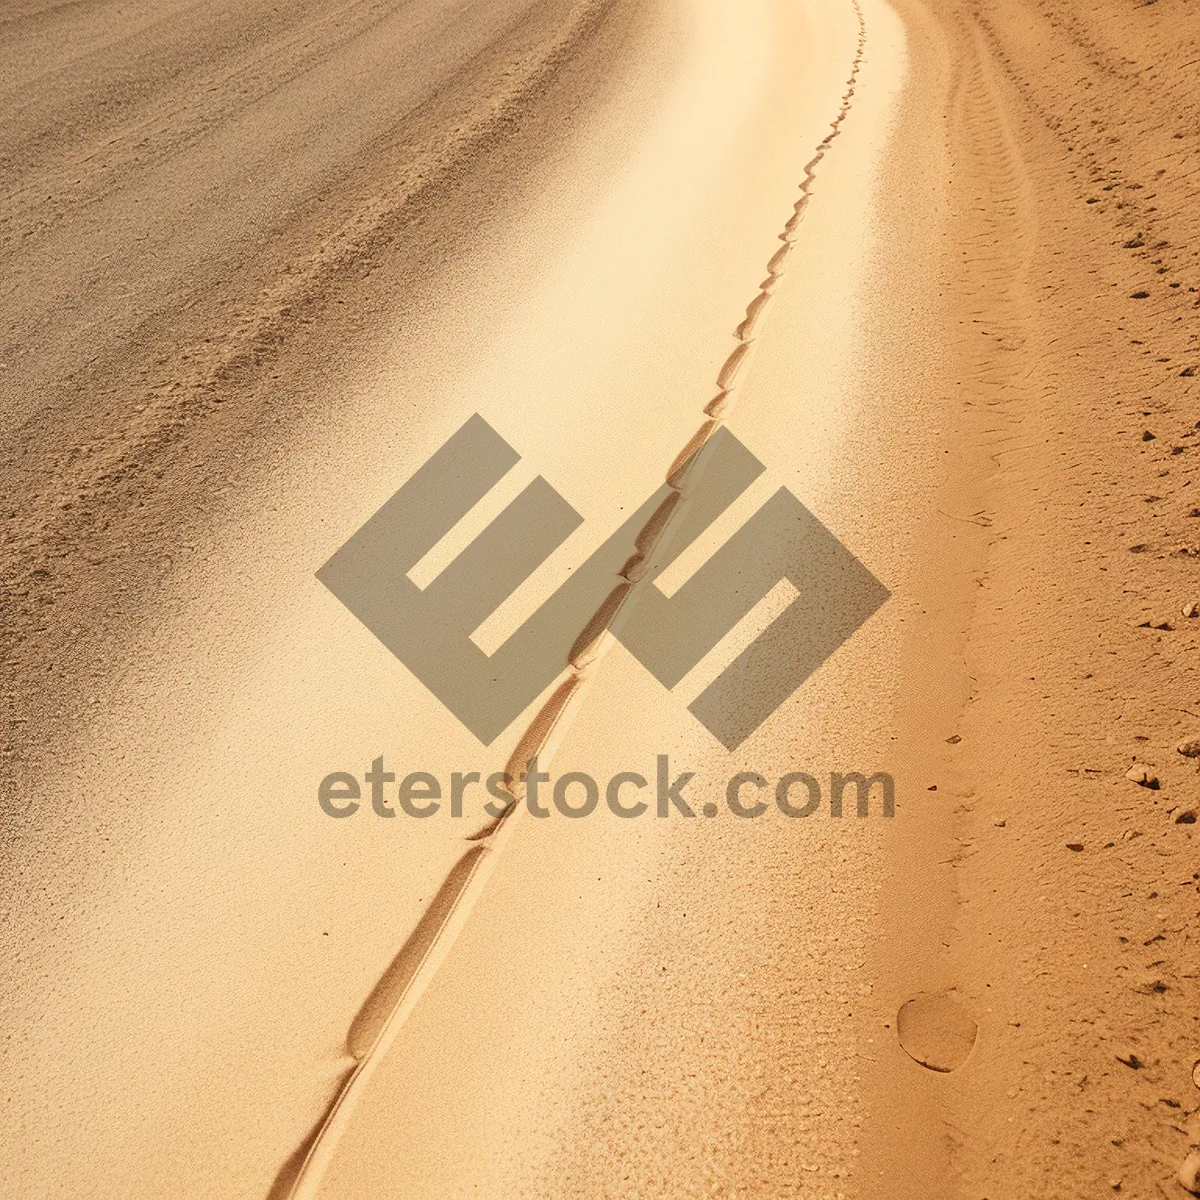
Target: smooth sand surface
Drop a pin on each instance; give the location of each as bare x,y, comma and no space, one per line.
263,262
606,308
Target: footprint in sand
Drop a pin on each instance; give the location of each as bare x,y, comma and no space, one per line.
936,1031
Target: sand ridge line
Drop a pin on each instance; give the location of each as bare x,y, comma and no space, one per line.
401,986
682,476
377,1023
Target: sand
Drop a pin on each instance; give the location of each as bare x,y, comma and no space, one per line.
1066,894
262,266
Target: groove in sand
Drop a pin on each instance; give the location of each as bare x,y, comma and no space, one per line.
398,990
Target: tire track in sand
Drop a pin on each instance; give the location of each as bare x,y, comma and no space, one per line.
398,990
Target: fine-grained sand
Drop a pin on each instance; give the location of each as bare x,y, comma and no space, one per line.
1057,896
934,264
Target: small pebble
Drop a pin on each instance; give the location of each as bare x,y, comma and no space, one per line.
1187,817
1140,775
1191,609
1189,749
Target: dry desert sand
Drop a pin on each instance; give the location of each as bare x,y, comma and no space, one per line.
935,264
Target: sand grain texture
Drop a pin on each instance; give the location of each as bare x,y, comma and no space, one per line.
936,264
1066,896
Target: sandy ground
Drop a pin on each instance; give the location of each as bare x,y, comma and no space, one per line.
1057,652
262,261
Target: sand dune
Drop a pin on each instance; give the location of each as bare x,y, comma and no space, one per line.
929,268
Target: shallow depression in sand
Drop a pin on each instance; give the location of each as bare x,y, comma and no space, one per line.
936,1031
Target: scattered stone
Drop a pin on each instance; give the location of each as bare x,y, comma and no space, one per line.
932,787
1138,295
1000,824
1142,776
953,739
1076,846
1187,372
1147,436
1196,1072
1187,817
1189,749
1156,623
1132,1061
936,1031
1138,548
1191,609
